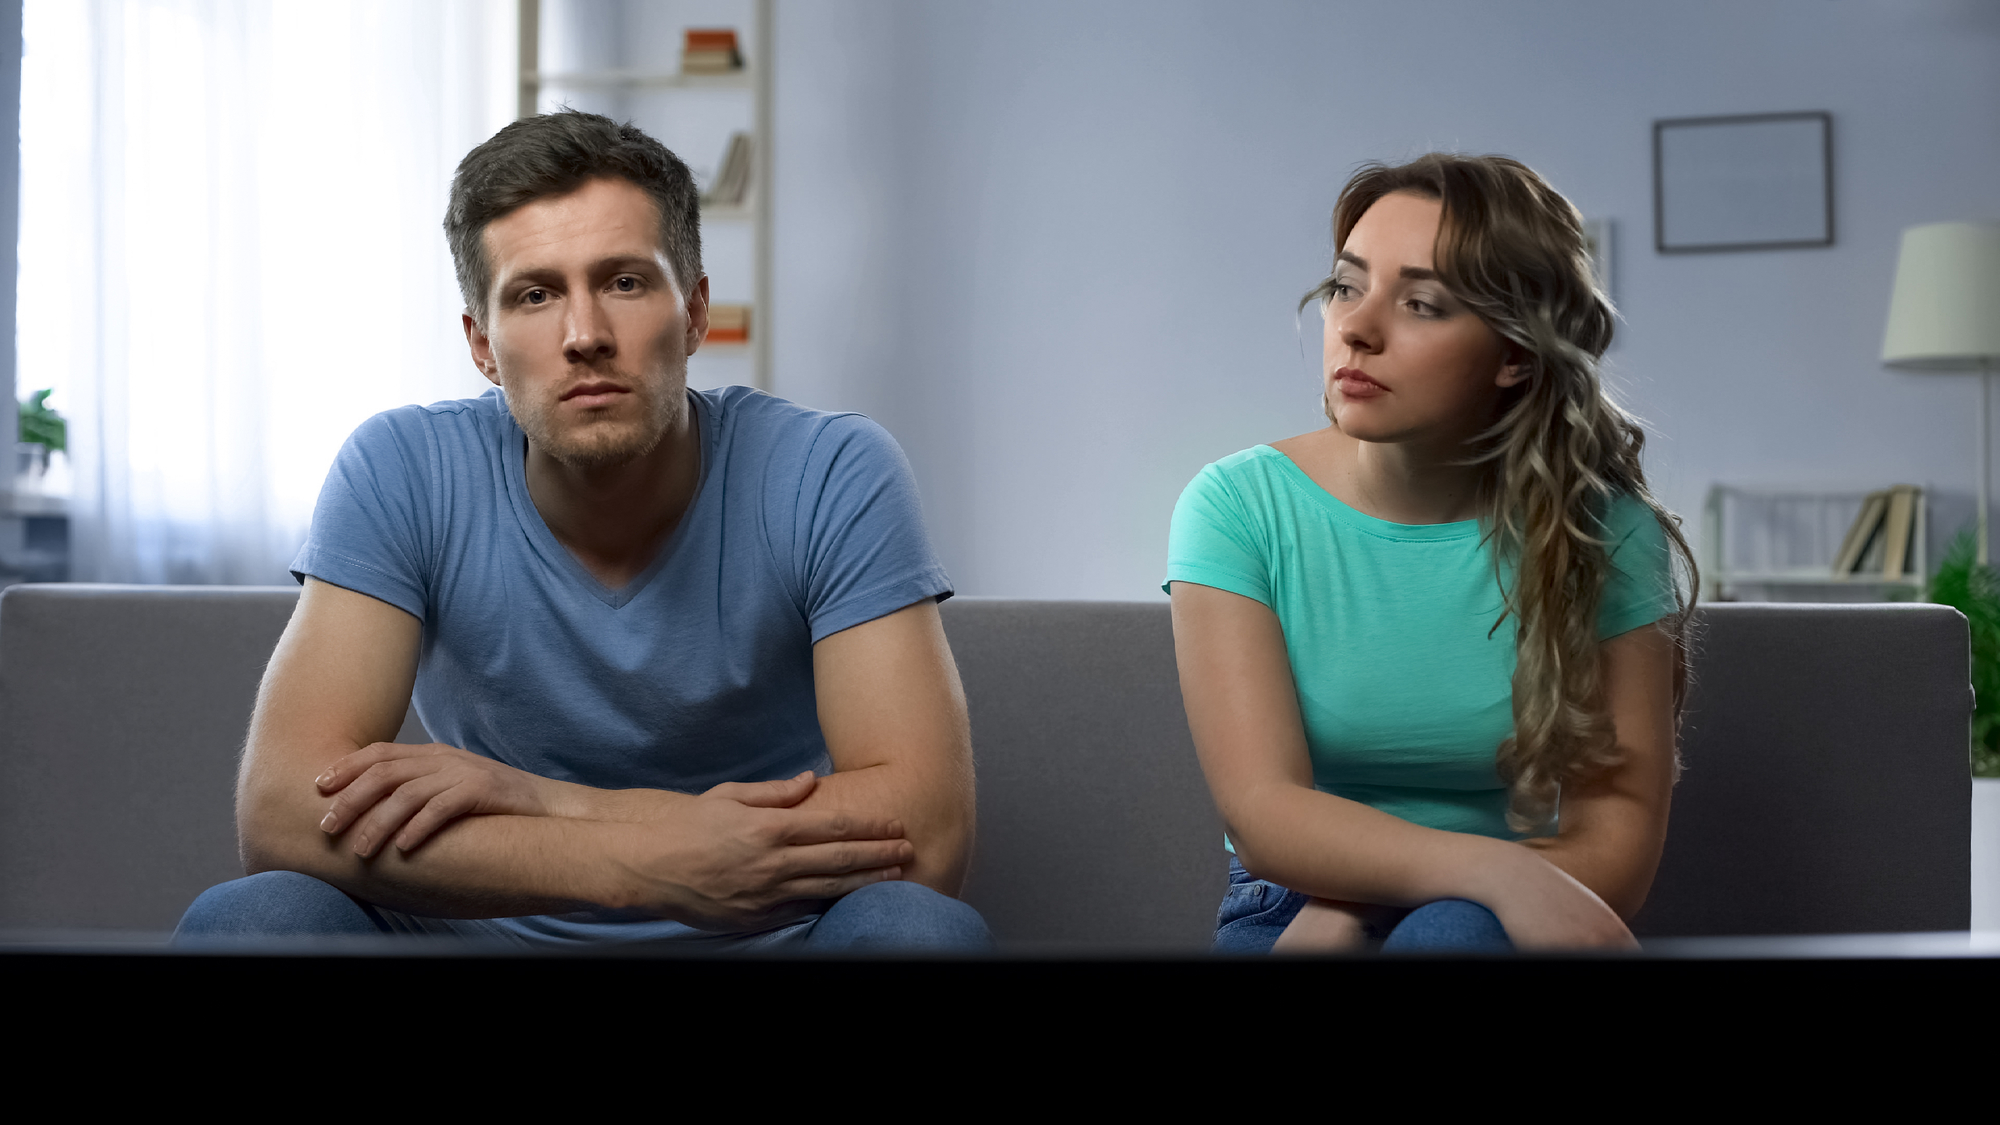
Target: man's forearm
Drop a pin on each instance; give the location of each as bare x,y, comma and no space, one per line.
475,867
936,812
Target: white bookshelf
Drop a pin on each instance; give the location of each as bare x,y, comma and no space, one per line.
1779,544
686,102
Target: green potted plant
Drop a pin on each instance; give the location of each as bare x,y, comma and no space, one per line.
42,432
1974,590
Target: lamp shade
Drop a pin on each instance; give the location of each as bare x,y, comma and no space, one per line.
1944,314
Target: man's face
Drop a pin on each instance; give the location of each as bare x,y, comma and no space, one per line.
585,328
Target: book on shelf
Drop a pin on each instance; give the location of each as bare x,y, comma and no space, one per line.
1880,539
1861,534
732,179
729,324
710,50
1898,524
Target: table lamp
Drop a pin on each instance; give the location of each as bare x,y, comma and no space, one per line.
1944,315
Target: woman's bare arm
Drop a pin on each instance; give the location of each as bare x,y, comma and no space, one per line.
1243,711
1614,826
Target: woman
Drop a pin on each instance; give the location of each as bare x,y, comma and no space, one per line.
1431,654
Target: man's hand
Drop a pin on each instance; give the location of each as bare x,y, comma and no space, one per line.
744,857
389,790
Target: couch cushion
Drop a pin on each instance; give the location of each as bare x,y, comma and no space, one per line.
1095,827
1826,786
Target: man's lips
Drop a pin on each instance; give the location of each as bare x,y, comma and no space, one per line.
1355,383
593,394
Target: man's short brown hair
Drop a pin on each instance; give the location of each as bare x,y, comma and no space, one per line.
554,154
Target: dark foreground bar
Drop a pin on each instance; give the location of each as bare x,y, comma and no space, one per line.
1733,972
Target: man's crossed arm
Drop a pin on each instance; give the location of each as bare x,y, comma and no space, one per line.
439,831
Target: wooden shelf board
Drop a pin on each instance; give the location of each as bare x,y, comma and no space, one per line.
1810,578
736,80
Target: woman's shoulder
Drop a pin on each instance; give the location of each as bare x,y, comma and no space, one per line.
1236,480
1630,518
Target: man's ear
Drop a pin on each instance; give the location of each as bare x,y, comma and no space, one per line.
482,349
697,310
1513,365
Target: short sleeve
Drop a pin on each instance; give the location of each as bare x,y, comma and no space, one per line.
370,524
1212,540
864,550
1640,588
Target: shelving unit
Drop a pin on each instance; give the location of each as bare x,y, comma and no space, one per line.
1782,541
619,84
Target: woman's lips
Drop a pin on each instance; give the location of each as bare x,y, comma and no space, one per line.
1355,383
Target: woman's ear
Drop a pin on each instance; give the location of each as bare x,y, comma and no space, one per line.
1513,365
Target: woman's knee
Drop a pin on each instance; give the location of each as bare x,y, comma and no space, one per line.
274,904
1451,925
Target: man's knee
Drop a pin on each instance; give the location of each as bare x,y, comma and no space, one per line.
902,917
273,904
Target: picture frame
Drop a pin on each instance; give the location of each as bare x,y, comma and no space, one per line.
1758,181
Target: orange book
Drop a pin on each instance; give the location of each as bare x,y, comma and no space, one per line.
728,324
710,39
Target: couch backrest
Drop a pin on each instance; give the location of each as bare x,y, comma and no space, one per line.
1825,791
1826,786
122,712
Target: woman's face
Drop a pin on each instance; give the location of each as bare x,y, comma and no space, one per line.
1405,360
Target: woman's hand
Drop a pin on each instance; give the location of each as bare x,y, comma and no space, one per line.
1543,908
1326,926
389,790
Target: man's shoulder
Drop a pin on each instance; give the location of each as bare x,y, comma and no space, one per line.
472,419
762,426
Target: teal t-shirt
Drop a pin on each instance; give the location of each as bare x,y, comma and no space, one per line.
1404,684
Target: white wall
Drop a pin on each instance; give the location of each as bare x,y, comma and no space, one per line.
1055,246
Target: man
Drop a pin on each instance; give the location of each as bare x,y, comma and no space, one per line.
610,594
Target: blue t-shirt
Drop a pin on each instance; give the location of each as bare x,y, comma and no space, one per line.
804,523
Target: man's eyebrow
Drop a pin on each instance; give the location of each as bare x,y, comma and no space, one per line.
543,275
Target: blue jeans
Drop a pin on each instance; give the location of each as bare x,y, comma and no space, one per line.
891,917
1255,911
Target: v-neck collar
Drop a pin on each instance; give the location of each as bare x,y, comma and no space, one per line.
550,548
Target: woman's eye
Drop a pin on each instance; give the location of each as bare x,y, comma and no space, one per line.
1340,291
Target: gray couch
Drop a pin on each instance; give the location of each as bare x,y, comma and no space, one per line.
1826,788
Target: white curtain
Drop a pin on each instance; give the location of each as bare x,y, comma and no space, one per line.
231,253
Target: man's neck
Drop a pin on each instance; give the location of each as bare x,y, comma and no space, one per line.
614,518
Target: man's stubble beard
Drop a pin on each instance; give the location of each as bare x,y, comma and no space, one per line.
595,445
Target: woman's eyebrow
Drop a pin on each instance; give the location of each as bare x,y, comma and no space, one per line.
1409,273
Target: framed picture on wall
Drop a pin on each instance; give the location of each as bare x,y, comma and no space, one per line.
1760,181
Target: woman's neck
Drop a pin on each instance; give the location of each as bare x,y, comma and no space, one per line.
1401,482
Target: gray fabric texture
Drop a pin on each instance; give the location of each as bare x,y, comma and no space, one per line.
122,712
1095,827
1826,788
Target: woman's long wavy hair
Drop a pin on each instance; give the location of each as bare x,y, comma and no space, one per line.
1514,251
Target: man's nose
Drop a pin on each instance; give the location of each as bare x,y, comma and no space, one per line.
588,337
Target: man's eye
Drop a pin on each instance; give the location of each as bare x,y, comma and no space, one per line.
535,296
626,284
